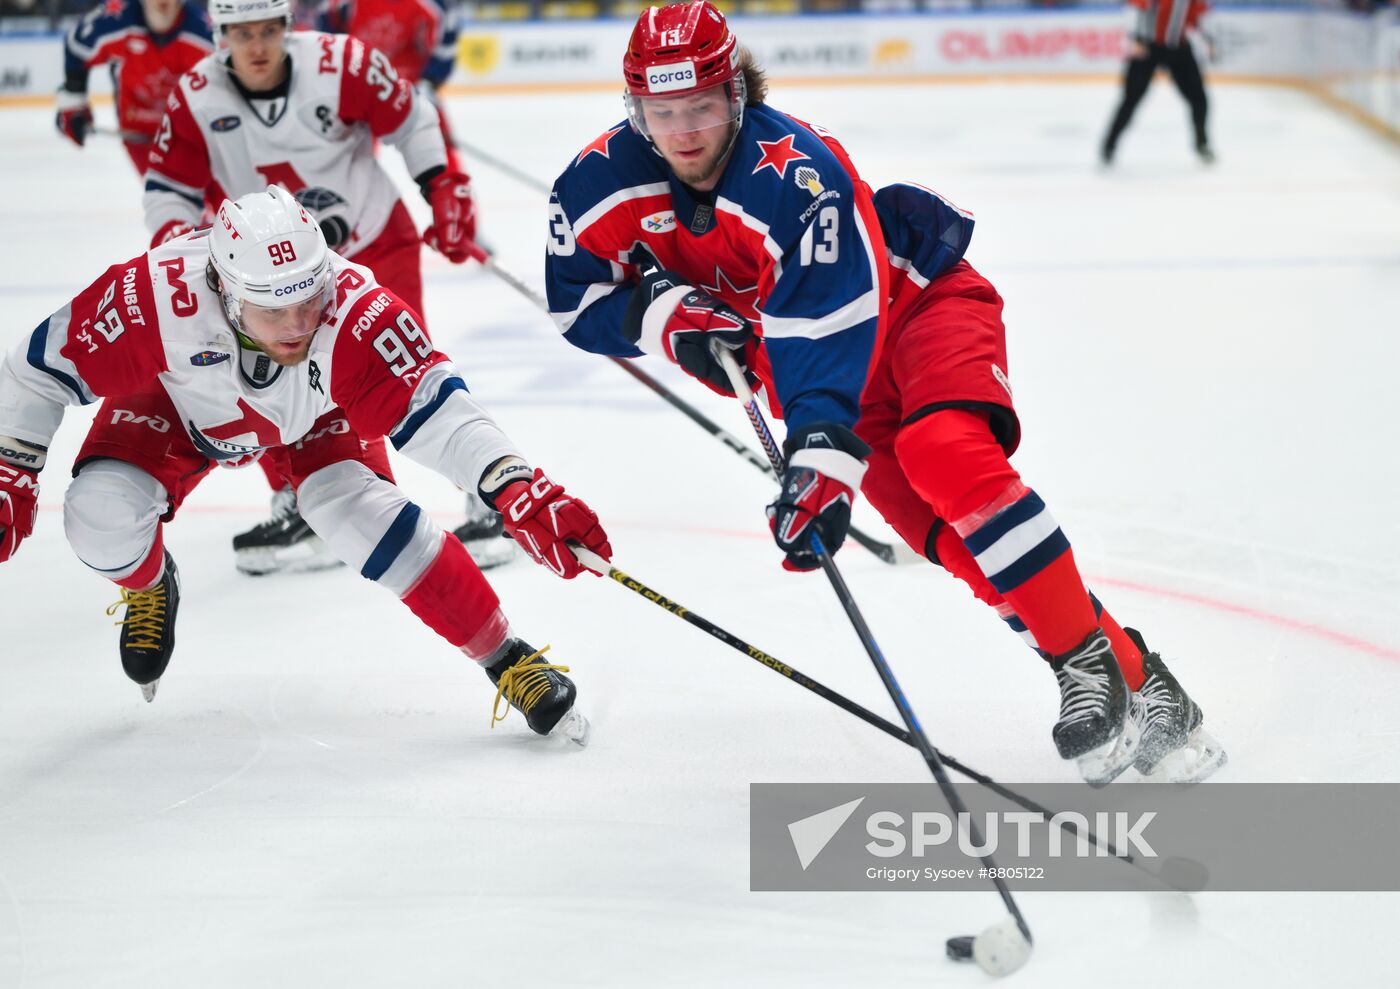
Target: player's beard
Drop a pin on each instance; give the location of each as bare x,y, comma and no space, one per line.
287,357
703,169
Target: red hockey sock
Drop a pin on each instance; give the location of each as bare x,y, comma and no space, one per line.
1055,606
452,597
956,465
1125,649
152,568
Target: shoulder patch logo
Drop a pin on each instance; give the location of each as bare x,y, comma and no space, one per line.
205,358
778,154
809,179
659,223
225,124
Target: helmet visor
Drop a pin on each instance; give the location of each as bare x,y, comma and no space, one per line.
281,327
684,113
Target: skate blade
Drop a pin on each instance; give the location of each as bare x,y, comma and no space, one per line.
490,552
573,726
148,690
1194,762
1105,764
307,556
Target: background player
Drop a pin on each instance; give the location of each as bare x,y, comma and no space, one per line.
1158,37
418,36
252,337
147,44
420,39
710,219
303,110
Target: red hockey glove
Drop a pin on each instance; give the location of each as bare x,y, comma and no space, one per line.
454,215
825,463
74,120
543,518
682,323
171,230
19,506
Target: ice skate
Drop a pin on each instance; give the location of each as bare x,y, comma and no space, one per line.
148,629
1175,746
283,543
484,534
1094,727
538,690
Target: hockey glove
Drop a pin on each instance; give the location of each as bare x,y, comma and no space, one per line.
682,323
825,463
19,506
454,215
542,517
74,120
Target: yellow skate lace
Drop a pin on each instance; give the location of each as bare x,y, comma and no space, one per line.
522,685
145,616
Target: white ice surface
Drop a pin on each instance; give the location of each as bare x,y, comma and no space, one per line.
1203,360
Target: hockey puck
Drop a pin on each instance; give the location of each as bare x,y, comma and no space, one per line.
960,948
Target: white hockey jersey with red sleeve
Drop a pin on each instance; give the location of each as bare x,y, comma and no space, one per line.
213,144
153,322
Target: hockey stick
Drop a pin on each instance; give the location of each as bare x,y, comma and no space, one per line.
501,165
895,555
1190,875
997,950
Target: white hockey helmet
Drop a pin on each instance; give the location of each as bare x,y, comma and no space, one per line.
269,251
226,12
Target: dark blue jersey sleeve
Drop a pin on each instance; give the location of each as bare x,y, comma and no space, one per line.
444,55
924,233
588,295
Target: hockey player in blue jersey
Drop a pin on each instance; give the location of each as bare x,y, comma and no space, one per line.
709,218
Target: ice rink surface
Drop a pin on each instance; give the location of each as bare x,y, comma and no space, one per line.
1203,361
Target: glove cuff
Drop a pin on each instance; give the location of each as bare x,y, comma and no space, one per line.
425,181
69,100
652,339
825,435
23,454
835,464
501,475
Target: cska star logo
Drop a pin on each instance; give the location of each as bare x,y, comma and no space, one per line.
777,154
742,297
598,146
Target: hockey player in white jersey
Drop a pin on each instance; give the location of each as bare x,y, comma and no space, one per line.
304,110
247,338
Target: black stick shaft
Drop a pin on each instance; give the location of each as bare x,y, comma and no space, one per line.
846,704
872,648
501,165
883,550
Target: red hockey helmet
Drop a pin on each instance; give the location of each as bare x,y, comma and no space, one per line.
678,47
678,50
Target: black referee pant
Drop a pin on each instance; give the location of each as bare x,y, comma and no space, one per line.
1186,73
